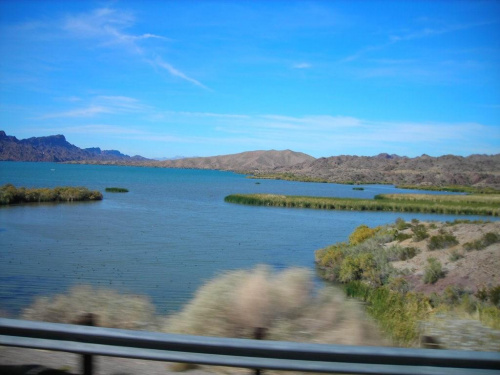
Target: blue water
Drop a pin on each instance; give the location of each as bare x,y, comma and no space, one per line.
167,236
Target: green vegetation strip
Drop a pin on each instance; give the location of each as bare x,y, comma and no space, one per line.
440,204
116,190
453,188
9,194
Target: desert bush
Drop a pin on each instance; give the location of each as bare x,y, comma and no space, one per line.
361,234
111,308
398,252
455,255
400,285
486,240
442,241
419,232
235,303
401,224
481,293
400,236
494,295
433,271
452,295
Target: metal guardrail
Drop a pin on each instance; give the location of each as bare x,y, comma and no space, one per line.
244,353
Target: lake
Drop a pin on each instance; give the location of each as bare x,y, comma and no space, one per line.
171,233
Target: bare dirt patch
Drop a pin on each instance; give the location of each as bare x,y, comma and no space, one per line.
475,269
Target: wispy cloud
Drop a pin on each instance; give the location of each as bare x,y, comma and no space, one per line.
109,27
302,65
99,105
177,73
420,33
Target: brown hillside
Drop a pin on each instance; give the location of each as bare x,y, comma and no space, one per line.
248,162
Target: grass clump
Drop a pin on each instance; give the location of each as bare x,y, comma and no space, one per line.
419,232
486,240
455,255
442,241
9,194
116,190
433,272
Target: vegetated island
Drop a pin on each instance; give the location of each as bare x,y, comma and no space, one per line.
9,194
116,190
433,282
488,205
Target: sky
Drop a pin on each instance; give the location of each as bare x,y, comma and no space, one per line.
204,78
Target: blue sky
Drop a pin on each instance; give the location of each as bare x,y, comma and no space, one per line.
203,78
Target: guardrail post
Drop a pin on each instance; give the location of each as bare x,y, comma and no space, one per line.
259,334
87,359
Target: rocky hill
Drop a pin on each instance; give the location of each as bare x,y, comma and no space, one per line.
54,148
474,170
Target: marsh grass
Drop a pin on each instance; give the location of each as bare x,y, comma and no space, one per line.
116,190
425,203
9,194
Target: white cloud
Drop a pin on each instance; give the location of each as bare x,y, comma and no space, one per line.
302,65
177,73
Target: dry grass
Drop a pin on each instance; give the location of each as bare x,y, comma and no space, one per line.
111,308
234,304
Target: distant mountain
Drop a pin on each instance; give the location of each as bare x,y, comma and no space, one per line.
54,148
474,170
246,162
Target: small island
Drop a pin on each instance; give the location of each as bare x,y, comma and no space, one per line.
9,194
116,190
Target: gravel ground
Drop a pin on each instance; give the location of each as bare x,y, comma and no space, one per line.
71,363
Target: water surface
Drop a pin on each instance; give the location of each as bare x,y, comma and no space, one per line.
167,236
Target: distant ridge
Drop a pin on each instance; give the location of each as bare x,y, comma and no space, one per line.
54,148
425,170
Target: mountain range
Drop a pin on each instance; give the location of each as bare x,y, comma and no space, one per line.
473,170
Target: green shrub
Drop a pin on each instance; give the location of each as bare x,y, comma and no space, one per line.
350,270
401,224
442,241
452,295
490,238
419,232
361,234
486,240
400,285
482,294
402,236
433,271
408,253
494,295
455,255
